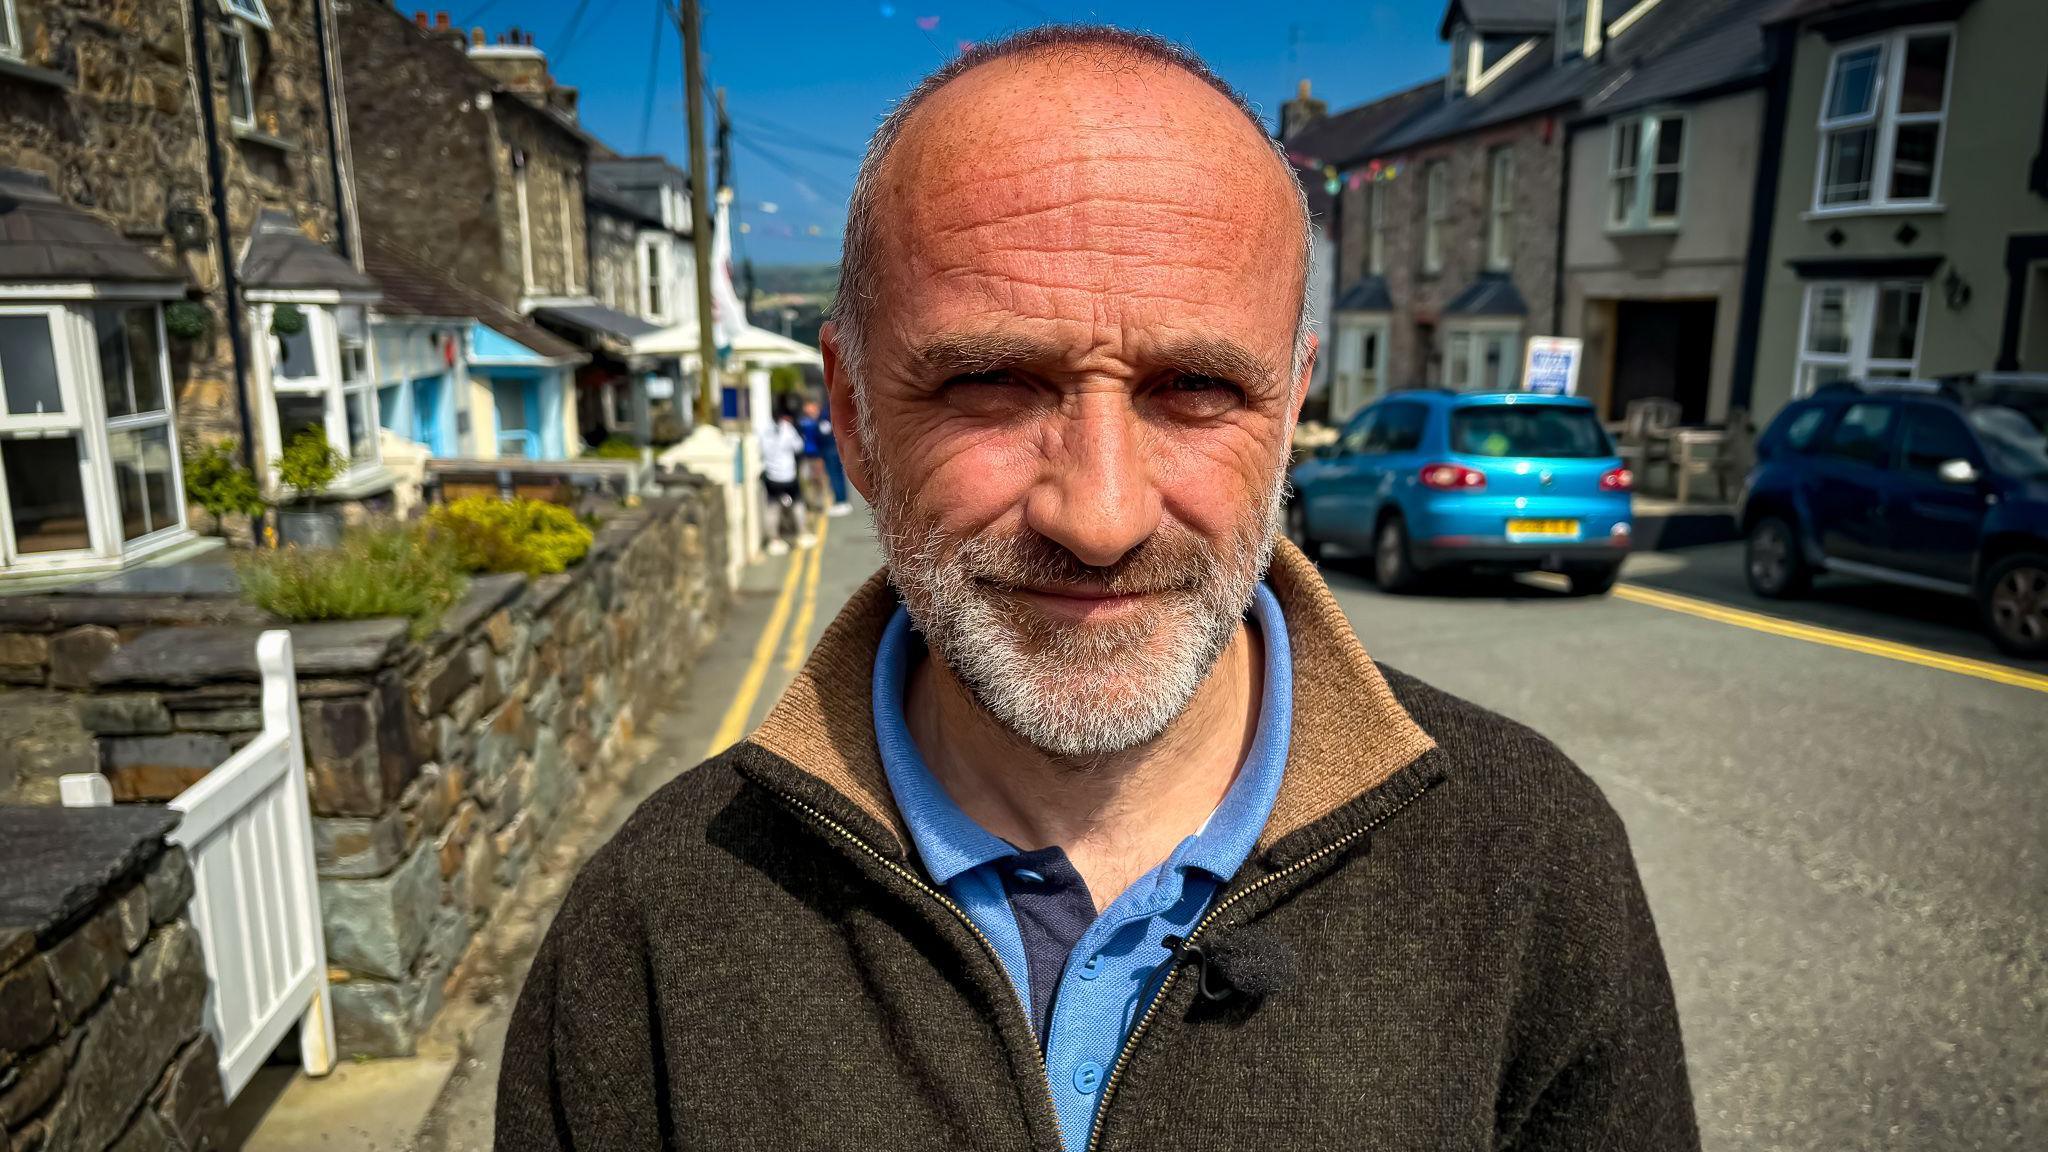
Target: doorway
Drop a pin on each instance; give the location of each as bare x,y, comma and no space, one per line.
1663,349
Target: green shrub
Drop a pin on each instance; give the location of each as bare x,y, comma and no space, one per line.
187,320
216,481
380,570
309,463
287,320
530,536
616,448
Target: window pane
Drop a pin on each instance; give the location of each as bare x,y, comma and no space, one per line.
1934,437
295,353
362,431
1827,325
1863,434
1627,140
1926,74
131,368
45,494
295,414
1623,199
1670,140
1855,83
1819,376
1664,195
1913,161
28,366
142,480
1554,431
1850,159
239,102
1897,325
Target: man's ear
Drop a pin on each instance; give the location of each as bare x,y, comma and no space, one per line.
1308,373
846,413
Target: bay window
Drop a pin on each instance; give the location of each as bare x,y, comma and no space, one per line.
88,449
1859,331
1646,172
320,379
1881,120
1482,357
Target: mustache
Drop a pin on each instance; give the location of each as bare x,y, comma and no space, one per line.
1172,559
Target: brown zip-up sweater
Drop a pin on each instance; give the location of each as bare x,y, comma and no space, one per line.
757,960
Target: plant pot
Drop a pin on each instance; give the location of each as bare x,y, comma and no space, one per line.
309,528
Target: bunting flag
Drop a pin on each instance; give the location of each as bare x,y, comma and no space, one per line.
928,23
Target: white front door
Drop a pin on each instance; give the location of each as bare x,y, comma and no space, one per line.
1360,375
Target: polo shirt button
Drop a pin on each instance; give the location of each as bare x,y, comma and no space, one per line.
1092,968
1087,1078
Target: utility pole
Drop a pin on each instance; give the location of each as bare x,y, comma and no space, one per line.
686,16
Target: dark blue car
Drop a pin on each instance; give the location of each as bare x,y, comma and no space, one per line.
1941,486
1505,482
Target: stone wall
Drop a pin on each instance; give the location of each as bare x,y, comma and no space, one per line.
615,258
434,764
102,987
533,142
125,139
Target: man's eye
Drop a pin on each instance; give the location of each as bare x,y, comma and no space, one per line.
1200,395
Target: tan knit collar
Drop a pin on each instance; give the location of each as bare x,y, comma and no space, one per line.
1349,733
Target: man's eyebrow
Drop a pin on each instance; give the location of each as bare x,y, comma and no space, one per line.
967,353
1223,359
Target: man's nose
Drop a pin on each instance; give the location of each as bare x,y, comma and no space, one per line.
1096,498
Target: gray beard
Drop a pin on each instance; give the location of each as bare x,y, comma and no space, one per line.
1077,692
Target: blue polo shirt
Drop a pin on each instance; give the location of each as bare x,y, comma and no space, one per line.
1081,978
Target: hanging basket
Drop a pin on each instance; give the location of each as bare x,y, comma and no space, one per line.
287,320
187,320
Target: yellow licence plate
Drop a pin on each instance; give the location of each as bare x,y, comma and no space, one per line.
1543,529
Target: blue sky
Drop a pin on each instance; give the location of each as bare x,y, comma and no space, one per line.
807,80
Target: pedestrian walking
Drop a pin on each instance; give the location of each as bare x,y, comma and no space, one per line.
812,462
781,444
1089,823
835,470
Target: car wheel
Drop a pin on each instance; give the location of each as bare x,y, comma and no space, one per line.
1593,580
2015,602
1392,566
1297,531
1772,559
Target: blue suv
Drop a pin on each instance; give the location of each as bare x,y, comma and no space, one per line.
1504,482
1941,486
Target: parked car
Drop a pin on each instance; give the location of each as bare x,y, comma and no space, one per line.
1502,482
1941,486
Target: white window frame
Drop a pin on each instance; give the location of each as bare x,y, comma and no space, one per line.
1643,172
74,344
1465,343
10,31
1376,228
1464,60
251,10
327,383
570,286
1860,318
1483,76
652,266
235,41
519,167
1500,208
1885,119
1587,42
1436,214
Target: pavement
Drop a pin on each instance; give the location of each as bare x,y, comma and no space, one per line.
1836,805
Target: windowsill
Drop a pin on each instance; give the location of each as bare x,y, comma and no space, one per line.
1632,231
20,69
1922,208
264,140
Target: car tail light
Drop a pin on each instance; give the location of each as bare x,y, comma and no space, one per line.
1617,480
1453,478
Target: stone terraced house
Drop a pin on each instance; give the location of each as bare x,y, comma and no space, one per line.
172,175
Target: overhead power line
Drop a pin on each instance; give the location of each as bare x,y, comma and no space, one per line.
653,74
793,138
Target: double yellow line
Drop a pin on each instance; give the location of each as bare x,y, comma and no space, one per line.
801,564
1847,641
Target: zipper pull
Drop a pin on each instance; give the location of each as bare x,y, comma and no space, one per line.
1182,950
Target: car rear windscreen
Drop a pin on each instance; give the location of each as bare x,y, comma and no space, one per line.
1547,430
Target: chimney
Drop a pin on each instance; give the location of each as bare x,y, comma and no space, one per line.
420,18
476,37
441,23
1300,112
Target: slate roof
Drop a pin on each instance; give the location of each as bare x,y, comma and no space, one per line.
1727,52
413,289
43,238
1502,15
1366,294
607,198
1343,136
1490,295
608,328
281,257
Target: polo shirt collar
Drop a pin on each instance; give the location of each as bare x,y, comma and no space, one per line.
949,842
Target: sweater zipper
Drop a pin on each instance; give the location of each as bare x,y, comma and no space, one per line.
1123,1057
1044,1076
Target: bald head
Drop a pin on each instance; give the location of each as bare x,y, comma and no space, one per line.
1093,128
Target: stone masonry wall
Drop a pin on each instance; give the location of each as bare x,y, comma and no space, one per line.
614,259
553,163
434,765
125,140
101,1044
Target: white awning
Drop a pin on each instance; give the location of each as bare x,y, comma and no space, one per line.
756,346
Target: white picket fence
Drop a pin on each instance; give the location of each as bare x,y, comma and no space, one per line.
248,834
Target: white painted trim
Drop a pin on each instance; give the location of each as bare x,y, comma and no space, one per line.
256,14
12,48
1515,56
1626,20
1884,120
235,49
91,291
525,227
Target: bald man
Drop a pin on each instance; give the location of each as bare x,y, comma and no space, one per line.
1089,824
